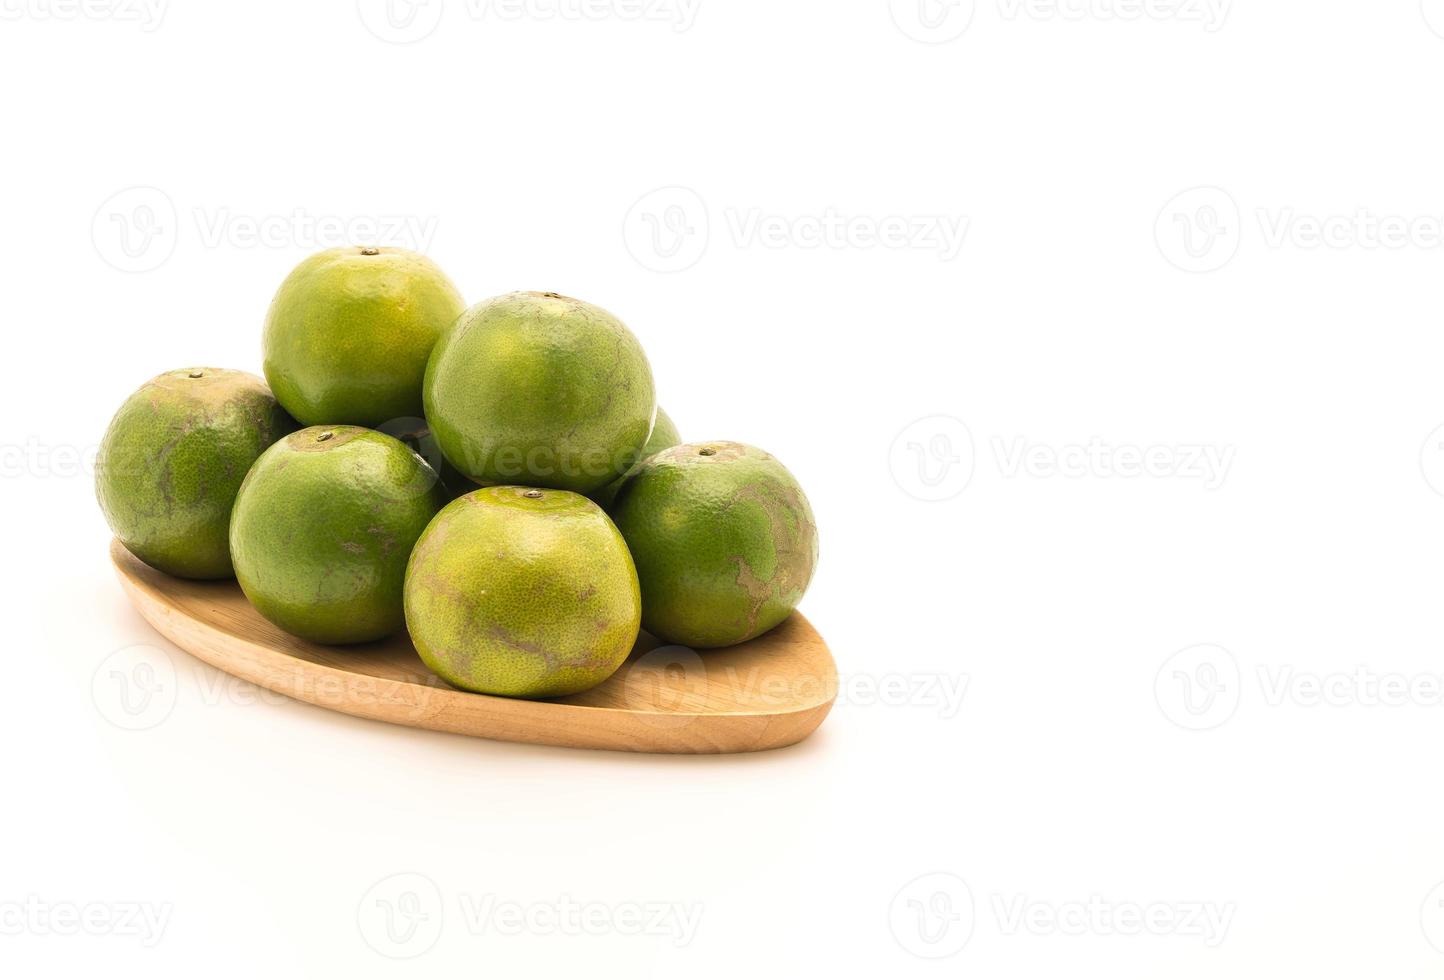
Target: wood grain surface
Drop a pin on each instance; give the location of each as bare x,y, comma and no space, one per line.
763,694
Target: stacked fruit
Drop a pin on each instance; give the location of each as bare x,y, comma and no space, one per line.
451,477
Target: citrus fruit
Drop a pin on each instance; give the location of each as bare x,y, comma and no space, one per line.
723,538
419,439
540,389
349,331
522,592
323,526
664,436
172,460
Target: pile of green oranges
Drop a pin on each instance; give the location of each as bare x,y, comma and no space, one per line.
498,480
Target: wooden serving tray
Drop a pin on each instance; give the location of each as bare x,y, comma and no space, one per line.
763,694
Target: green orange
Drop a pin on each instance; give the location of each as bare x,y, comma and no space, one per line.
664,436
540,389
323,527
349,332
172,460
522,592
419,439
723,538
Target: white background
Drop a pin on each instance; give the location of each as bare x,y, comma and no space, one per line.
1141,648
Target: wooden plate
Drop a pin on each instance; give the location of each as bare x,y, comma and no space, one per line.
772,691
